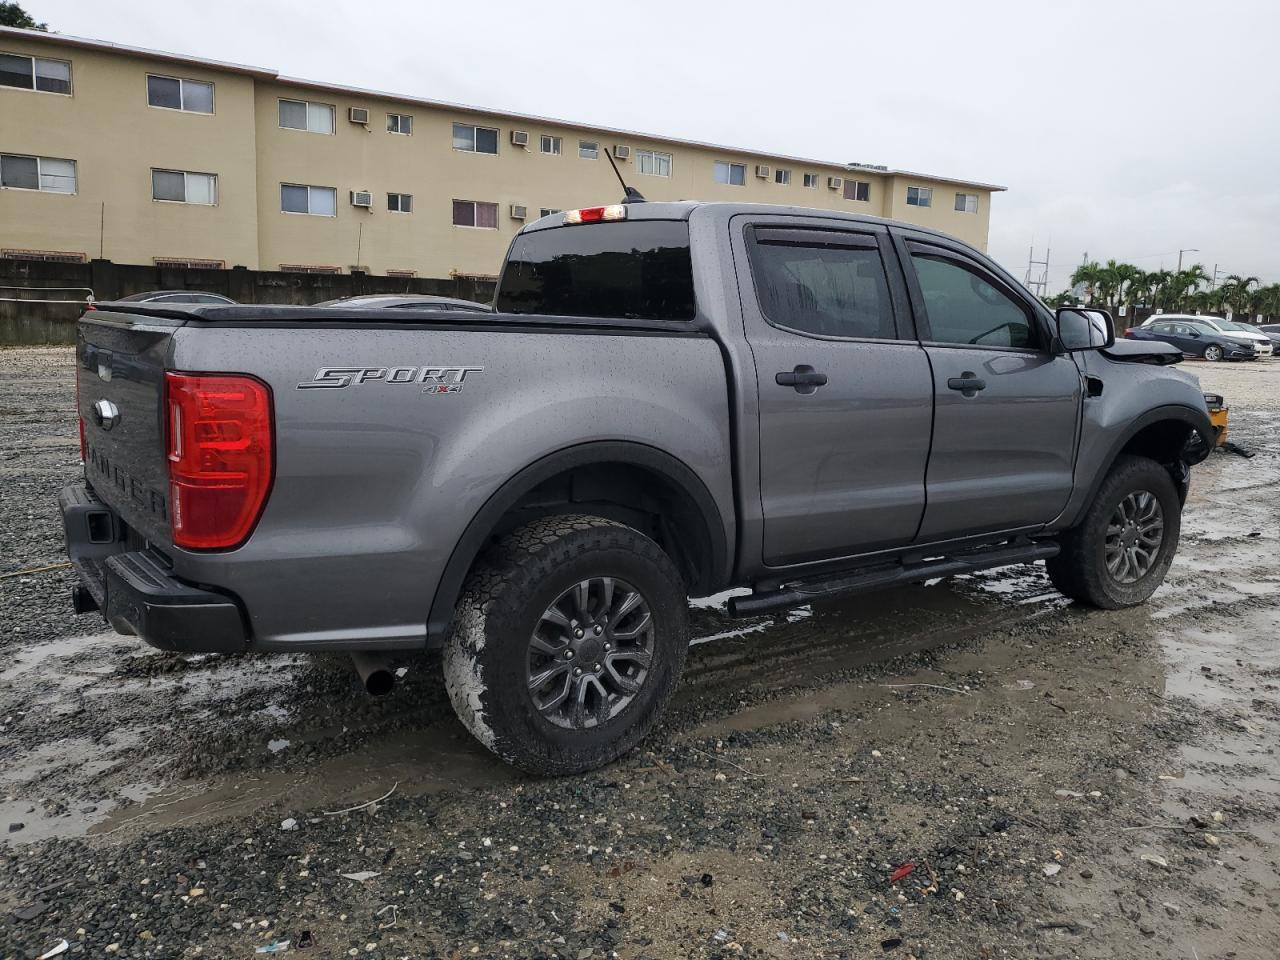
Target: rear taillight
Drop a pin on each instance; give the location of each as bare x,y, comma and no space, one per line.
220,457
84,446
1129,334
614,211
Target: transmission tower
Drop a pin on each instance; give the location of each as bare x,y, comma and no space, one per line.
1037,280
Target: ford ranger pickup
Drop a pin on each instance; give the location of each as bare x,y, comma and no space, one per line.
669,400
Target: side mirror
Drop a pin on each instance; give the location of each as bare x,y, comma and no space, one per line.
1084,329
1195,334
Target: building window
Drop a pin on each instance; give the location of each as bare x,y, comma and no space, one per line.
193,96
405,274
178,186
475,213
551,145
782,176
304,115
548,211
185,263
588,149
300,198
46,174
732,173
45,256
308,268
857,190
400,202
399,123
811,179
920,196
475,139
653,163
966,202
35,73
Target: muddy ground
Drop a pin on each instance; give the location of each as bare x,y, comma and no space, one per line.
1066,782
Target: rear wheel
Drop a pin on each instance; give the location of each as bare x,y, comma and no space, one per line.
567,643
1213,352
1122,549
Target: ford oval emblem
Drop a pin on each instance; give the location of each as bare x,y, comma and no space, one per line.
106,414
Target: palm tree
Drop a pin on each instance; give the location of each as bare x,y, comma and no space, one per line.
1089,274
1236,292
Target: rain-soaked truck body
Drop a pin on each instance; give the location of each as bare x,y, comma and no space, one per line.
670,399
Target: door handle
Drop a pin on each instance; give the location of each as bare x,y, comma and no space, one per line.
968,383
804,378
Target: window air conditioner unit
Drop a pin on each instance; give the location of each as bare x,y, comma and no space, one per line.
520,138
358,115
762,171
518,212
622,151
362,198
833,183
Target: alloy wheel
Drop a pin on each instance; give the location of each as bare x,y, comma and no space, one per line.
590,653
1134,535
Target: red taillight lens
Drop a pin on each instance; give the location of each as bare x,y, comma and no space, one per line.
1129,334
220,457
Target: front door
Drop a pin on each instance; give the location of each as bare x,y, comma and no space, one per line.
1007,408
845,397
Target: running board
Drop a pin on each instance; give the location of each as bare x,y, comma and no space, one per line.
889,575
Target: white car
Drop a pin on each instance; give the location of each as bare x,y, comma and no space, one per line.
1229,328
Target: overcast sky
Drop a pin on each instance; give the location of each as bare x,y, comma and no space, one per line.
1125,129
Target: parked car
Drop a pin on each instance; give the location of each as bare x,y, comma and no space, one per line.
670,400
407,301
1229,328
1272,330
1196,339
177,296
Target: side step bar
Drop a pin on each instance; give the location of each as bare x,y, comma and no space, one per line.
889,575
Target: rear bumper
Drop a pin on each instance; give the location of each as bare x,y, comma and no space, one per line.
135,588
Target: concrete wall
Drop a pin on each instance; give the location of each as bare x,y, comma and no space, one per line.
107,127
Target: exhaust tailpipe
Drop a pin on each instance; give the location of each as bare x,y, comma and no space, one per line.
375,672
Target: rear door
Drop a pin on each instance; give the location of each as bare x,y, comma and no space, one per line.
1007,409
845,397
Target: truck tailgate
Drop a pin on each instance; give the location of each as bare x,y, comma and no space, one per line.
120,371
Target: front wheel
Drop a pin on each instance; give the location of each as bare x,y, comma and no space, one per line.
1122,549
567,642
1213,352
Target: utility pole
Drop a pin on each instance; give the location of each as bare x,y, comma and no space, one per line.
1181,252
1213,284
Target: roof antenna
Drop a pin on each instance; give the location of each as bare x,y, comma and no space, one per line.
629,194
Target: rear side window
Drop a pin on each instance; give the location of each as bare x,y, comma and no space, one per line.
634,269
825,283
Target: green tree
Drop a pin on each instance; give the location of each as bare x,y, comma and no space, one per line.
12,15
1089,274
1237,292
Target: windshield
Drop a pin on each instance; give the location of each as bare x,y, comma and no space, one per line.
633,269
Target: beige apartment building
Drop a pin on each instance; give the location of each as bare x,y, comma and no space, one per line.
138,156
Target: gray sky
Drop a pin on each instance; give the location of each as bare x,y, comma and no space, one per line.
1123,129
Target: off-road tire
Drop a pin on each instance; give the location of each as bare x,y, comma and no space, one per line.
1213,353
1080,570
486,655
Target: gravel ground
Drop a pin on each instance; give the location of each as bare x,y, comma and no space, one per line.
967,768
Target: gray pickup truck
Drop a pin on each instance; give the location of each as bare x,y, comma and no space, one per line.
670,399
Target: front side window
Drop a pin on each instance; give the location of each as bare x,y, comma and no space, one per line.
731,173
473,139
35,73
822,282
551,145
857,190
475,213
302,198
810,179
588,149
400,123
963,307
174,93
920,196
47,174
179,186
782,176
653,163
305,115
631,269
966,203
400,202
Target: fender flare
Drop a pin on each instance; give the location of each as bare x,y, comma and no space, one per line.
1197,420
473,538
